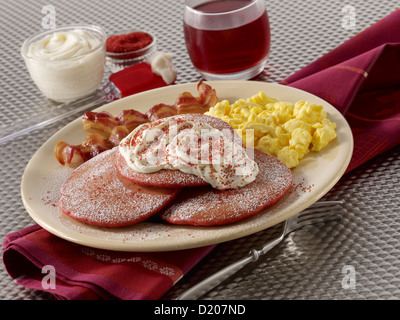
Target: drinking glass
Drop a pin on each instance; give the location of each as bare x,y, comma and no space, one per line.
227,39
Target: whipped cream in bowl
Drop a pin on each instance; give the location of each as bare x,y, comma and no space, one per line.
66,63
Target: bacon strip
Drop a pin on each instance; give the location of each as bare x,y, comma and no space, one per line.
117,134
107,131
104,122
68,154
92,145
160,111
186,103
131,119
207,95
100,122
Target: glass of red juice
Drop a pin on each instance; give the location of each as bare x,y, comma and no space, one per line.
227,39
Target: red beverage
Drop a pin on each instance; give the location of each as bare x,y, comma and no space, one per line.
218,50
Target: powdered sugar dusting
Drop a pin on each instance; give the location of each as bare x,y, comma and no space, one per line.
96,195
51,187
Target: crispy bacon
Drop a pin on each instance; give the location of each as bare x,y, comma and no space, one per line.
101,122
75,155
117,134
187,103
107,131
69,155
104,122
131,119
160,111
94,144
207,95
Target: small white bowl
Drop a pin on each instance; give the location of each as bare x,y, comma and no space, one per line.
68,78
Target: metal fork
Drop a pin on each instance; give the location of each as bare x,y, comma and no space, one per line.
321,211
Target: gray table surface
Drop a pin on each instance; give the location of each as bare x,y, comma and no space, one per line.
310,263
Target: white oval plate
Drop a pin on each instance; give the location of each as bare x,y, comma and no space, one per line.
315,176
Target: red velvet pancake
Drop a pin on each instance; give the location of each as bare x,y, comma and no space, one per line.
206,206
175,178
96,194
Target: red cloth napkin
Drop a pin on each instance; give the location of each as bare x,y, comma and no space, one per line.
39,260
360,78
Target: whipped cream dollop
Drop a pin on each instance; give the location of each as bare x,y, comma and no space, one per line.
63,45
191,147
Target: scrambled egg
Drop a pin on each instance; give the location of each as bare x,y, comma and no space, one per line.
282,129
